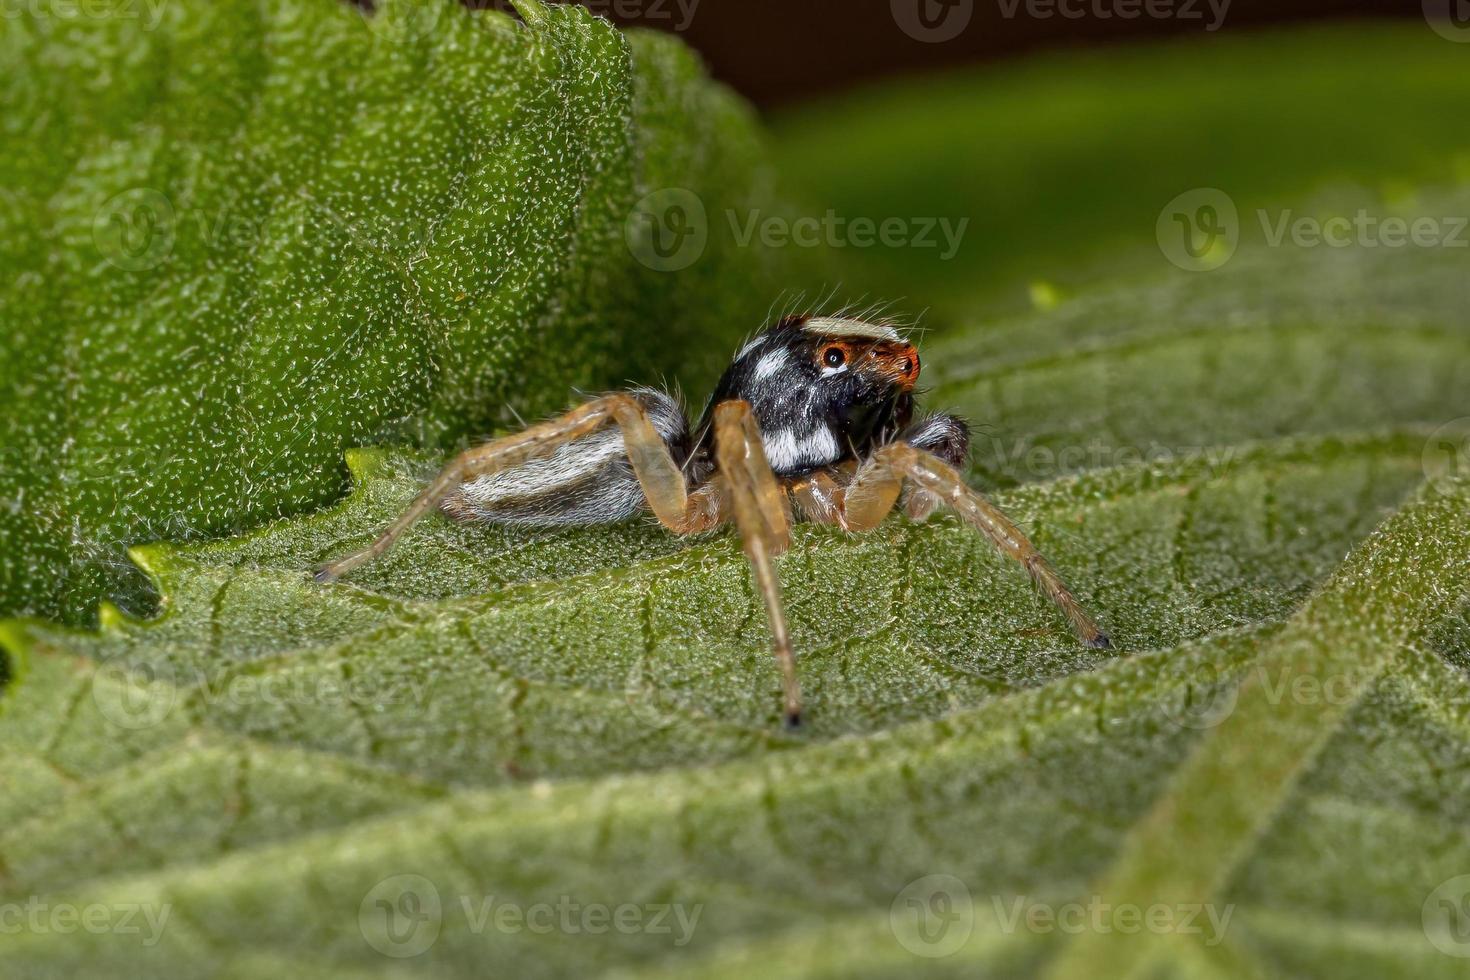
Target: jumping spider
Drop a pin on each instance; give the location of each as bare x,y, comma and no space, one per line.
815,410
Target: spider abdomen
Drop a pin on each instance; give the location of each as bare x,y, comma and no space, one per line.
582,482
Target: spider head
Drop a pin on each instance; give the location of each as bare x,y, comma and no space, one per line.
823,389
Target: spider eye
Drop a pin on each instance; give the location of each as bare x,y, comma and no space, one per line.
834,357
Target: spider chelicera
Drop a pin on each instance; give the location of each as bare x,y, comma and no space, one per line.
814,411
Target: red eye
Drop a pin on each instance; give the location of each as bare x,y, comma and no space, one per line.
834,357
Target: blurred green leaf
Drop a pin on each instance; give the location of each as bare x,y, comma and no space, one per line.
242,236
1062,162
1250,474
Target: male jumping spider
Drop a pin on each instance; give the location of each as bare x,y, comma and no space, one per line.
815,410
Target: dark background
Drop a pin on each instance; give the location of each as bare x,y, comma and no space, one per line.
780,51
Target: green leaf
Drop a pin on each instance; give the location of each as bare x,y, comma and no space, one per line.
289,746
304,709
1246,473
243,236
1063,161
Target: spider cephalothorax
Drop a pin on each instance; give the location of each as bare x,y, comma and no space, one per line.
822,389
815,412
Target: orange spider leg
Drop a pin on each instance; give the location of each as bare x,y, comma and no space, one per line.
875,491
660,477
759,508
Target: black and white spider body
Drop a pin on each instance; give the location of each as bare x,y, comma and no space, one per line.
823,392
815,412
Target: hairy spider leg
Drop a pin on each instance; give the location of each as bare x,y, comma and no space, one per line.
759,507
745,485
819,496
875,490
659,476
